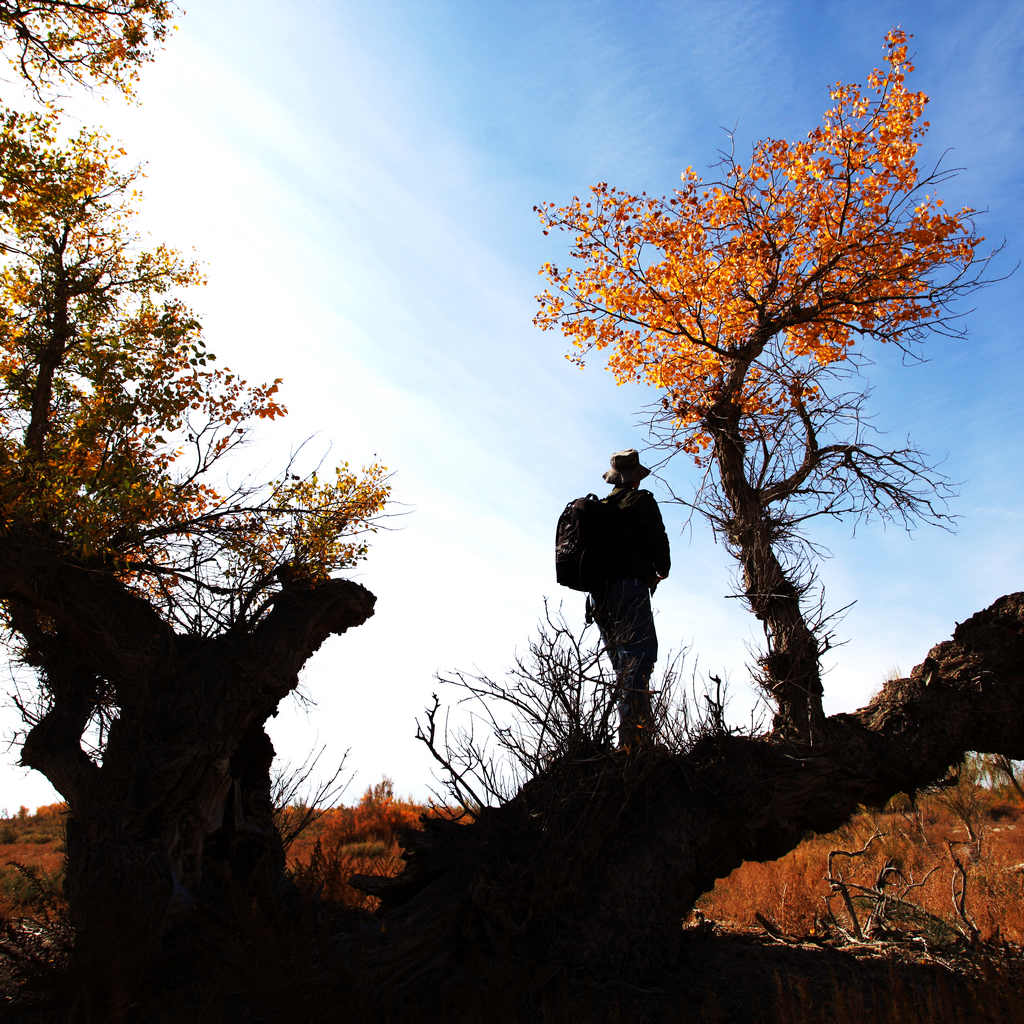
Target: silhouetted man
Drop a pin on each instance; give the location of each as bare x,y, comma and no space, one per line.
622,605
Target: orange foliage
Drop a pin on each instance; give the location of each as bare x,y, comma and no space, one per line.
378,817
103,41
737,290
52,812
112,410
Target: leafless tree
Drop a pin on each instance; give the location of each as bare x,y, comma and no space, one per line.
883,900
1000,768
958,893
962,791
300,796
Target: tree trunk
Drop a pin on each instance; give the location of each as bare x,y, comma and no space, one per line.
790,666
597,860
139,858
176,812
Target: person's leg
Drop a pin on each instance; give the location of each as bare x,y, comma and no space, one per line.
637,653
612,613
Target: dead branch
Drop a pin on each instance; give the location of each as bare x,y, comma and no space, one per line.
837,884
297,803
958,891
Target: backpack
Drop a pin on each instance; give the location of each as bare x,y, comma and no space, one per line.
586,540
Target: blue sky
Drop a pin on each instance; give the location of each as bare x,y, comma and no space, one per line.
358,179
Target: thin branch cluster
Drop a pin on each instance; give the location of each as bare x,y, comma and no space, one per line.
557,703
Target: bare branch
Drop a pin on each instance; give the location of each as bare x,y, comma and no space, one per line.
297,803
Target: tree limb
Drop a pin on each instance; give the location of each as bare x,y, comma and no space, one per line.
652,831
115,633
300,621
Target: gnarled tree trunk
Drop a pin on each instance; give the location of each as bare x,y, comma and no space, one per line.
597,860
176,812
791,671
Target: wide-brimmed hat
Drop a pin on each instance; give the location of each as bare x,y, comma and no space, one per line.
626,468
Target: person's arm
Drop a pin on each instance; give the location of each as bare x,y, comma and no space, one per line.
657,538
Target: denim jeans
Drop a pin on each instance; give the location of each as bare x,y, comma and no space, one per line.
622,610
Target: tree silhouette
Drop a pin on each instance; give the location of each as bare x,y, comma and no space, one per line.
165,615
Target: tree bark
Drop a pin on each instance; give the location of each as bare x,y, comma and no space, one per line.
597,861
176,812
53,351
790,667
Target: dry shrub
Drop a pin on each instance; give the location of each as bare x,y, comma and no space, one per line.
326,873
31,852
786,892
36,936
35,933
791,892
359,840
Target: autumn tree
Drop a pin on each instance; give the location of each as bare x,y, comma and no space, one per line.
96,42
750,303
164,613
